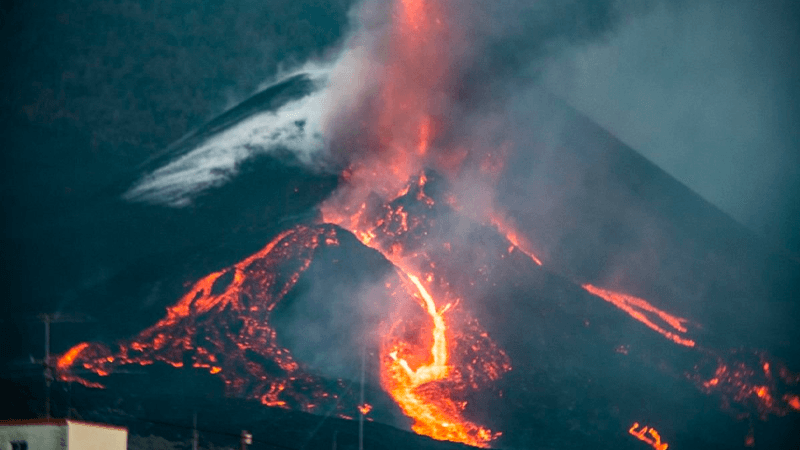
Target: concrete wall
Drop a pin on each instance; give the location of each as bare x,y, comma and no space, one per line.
60,434
38,436
89,436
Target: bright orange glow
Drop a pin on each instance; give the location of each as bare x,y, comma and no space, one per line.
648,435
418,373
640,309
424,136
365,408
70,358
505,228
410,372
438,417
243,295
413,13
437,369
66,360
737,380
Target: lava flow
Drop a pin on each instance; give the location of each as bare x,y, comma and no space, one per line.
429,364
648,435
222,325
639,309
422,379
436,415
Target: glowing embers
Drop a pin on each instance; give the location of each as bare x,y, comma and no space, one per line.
365,408
222,325
389,226
648,435
748,379
645,313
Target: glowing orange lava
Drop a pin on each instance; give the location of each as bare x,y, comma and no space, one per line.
748,378
648,435
515,237
411,373
222,324
440,418
365,408
410,98
66,360
792,400
639,309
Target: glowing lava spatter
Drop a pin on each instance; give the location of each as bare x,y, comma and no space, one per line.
65,362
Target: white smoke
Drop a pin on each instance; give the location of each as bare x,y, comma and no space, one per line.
295,127
300,127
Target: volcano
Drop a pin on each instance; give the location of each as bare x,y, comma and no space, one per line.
557,291
535,354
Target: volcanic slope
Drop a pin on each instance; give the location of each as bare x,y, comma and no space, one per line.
580,363
109,257
597,210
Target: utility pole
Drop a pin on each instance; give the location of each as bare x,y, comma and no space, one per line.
48,369
49,372
361,401
195,434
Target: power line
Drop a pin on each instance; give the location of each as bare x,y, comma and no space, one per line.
199,430
49,372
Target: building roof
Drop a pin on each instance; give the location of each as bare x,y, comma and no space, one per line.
58,422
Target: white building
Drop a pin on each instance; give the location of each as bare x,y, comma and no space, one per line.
57,434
